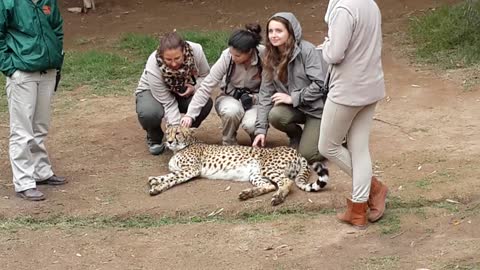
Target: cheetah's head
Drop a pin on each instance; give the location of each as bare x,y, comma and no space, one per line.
179,137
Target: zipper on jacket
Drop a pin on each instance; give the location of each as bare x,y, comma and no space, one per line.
42,32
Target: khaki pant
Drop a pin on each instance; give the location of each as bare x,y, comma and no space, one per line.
29,97
354,123
234,116
150,113
288,119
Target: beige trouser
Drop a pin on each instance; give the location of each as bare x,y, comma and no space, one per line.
234,116
29,96
353,123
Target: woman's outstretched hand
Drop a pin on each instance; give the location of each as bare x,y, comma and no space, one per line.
186,121
259,141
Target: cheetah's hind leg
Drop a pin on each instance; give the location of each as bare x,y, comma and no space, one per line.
261,186
284,185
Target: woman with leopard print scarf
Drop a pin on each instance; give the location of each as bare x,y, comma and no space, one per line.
171,76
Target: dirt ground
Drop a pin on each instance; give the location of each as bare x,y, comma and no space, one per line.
425,145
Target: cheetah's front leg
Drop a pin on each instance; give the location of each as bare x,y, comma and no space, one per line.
161,183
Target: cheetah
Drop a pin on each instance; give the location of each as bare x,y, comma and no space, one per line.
268,169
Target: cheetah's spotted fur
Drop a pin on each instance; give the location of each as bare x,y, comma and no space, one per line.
268,169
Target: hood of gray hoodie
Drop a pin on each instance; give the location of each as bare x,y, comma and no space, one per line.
297,28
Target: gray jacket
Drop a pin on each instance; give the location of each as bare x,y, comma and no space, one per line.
306,75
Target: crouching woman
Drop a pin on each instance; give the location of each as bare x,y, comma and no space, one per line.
238,70
171,76
292,90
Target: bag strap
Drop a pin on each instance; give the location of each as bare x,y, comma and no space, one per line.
231,69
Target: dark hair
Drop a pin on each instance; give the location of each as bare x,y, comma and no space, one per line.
170,41
244,40
276,58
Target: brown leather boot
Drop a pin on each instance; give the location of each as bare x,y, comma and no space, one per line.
376,200
356,214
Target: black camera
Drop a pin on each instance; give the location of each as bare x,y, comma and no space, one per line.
181,89
243,94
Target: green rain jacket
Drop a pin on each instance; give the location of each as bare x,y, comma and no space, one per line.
31,36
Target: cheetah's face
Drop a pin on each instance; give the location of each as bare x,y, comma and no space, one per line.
178,137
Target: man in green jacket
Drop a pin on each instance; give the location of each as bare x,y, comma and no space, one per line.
31,52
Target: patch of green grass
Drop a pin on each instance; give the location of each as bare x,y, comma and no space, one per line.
423,183
451,207
146,221
390,223
138,44
3,95
106,73
213,42
398,203
459,265
378,263
449,35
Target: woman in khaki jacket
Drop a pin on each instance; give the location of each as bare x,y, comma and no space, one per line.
353,48
171,76
239,73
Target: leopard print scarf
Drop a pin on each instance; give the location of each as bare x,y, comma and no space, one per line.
176,79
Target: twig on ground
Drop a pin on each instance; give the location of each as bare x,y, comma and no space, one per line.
397,235
395,125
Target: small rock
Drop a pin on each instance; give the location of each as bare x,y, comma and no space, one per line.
451,201
75,10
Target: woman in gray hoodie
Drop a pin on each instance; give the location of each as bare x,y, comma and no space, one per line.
292,90
353,48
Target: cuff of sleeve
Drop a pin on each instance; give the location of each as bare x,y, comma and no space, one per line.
295,98
260,131
189,115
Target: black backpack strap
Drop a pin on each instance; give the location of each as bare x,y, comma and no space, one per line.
230,69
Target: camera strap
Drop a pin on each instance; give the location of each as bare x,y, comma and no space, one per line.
231,69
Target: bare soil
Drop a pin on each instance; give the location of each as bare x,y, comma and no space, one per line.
425,144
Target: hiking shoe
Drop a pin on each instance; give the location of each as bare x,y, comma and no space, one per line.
53,180
31,194
156,149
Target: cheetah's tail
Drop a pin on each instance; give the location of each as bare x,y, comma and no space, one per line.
301,179
322,171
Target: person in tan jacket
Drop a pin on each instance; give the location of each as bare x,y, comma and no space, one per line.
353,49
239,71
171,76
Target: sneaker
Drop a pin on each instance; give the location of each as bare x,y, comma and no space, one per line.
31,194
156,149
53,180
